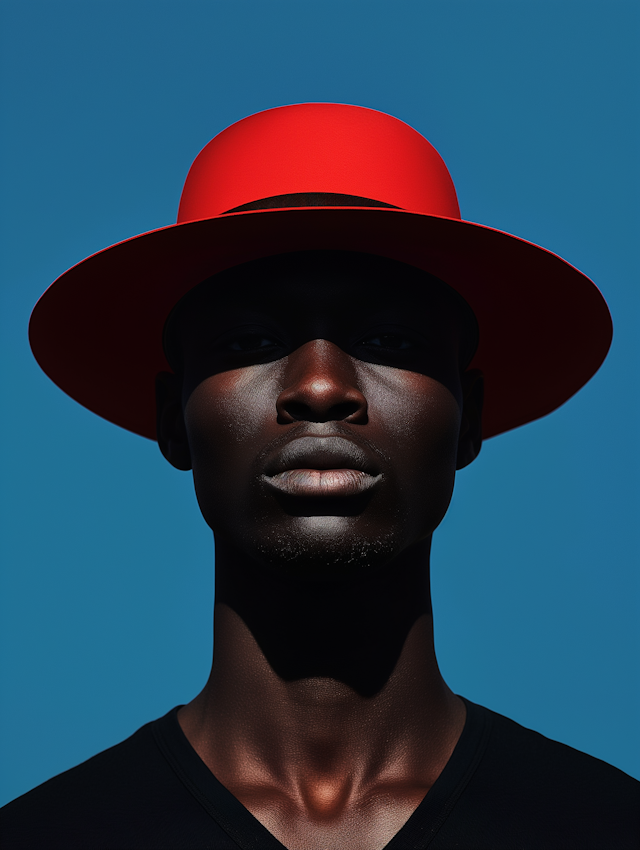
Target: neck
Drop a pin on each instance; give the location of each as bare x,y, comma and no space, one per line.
323,679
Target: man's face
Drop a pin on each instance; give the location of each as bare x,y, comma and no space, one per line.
322,404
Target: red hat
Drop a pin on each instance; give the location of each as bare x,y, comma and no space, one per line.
321,176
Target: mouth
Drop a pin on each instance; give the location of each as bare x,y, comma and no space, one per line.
322,467
314,483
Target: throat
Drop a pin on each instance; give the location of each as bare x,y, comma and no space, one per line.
312,755
325,713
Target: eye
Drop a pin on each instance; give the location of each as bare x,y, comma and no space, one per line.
252,342
388,340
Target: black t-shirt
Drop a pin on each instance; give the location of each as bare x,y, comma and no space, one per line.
504,788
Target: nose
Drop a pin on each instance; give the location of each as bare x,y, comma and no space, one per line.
320,386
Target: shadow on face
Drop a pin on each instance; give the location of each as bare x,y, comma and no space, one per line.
333,295
322,401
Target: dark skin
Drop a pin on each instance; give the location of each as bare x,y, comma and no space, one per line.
322,401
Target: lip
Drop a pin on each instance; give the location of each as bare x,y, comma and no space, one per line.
316,483
316,467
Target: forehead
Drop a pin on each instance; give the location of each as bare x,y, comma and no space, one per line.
341,285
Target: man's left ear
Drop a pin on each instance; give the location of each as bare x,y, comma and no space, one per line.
470,440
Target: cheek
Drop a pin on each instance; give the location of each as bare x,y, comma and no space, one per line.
421,421
420,414
226,408
225,417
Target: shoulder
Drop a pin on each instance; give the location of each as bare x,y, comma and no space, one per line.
547,794
125,797
552,763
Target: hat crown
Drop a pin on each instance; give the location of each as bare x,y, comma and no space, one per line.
328,148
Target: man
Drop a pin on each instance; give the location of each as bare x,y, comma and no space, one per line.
329,343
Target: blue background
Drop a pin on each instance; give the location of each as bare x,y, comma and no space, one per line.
106,596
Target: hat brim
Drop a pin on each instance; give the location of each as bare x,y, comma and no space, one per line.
544,326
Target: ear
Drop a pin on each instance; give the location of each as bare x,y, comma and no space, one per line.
170,428
470,440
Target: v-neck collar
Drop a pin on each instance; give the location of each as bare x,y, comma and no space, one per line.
249,834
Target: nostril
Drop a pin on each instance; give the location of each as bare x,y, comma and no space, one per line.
344,410
299,411
296,410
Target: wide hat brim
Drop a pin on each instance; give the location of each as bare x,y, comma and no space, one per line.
544,326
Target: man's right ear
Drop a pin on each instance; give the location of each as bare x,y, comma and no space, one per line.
170,427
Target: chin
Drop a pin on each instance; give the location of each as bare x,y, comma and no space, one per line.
326,548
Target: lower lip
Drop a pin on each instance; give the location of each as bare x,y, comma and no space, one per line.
322,482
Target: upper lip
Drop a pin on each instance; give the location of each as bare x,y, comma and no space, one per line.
321,452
